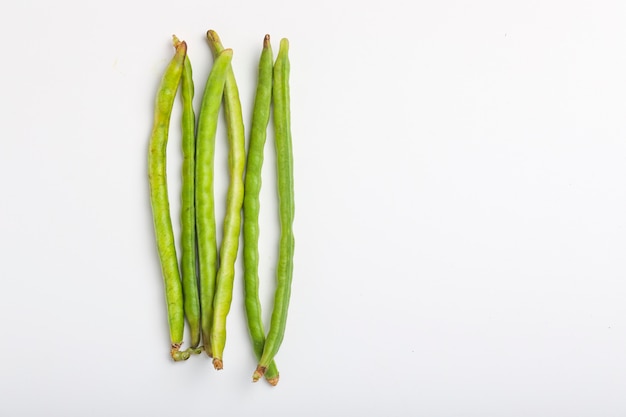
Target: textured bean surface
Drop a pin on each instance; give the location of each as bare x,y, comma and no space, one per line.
159,197
232,218
251,204
205,205
286,208
188,211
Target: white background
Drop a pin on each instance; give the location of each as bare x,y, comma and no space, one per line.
460,172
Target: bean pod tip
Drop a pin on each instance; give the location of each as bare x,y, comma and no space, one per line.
273,381
178,43
213,36
258,373
284,44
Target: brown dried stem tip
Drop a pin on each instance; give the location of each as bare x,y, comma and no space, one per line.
258,373
273,381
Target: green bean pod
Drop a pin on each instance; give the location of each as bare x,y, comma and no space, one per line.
205,204
159,200
234,202
286,208
191,301
251,205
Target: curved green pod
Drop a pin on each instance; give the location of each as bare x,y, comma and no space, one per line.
205,204
286,208
159,200
191,301
251,205
232,218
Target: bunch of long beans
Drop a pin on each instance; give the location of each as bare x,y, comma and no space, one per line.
203,292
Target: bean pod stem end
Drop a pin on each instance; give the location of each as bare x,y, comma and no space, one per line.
218,364
177,354
259,372
273,381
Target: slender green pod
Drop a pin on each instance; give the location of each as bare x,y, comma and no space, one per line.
205,204
286,208
159,199
234,201
191,301
251,205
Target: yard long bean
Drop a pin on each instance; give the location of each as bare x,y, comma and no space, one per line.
232,218
200,288
286,208
251,205
191,301
159,199
205,205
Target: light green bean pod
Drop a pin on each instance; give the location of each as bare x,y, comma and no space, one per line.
234,202
251,205
159,200
188,210
286,208
205,205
